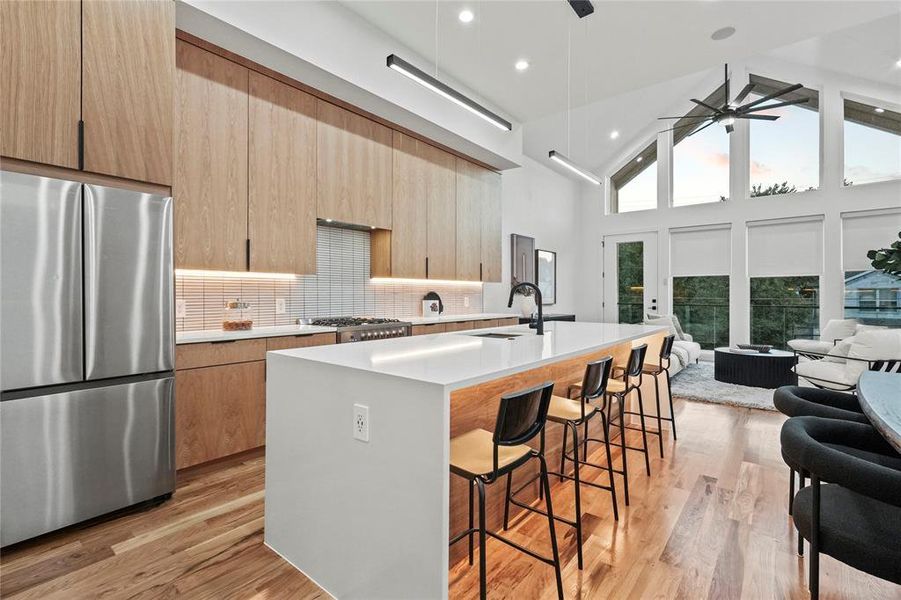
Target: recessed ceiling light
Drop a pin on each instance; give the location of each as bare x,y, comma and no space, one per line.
879,110
639,159
722,33
898,64
614,134
522,64
328,220
466,16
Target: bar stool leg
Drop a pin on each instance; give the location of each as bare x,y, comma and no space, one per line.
606,427
659,418
791,490
483,583
550,521
644,434
471,483
578,492
507,501
622,445
801,477
585,443
672,413
563,453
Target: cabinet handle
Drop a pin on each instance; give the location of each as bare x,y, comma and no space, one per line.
481,277
80,145
426,267
223,341
247,253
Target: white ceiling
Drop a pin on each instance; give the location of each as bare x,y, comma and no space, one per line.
623,46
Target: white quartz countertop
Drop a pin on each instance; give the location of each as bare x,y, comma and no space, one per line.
460,359
457,318
217,335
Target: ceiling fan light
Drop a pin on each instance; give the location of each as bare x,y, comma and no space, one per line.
730,120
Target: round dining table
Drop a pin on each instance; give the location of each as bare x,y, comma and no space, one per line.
880,399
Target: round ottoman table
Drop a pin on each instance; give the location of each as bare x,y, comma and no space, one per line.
765,370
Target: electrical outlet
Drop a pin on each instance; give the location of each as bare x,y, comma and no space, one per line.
465,301
361,422
280,306
181,309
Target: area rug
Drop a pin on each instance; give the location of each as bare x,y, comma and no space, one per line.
696,382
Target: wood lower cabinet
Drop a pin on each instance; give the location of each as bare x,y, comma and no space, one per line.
40,71
127,99
210,186
354,168
282,177
459,326
300,341
429,328
219,411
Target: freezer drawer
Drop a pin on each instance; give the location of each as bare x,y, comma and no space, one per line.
128,283
40,281
71,456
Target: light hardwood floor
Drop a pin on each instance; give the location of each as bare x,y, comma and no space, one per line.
710,522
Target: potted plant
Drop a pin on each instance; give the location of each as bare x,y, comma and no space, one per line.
888,259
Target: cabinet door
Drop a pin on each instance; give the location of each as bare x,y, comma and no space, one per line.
40,71
442,213
210,186
468,218
300,341
491,226
220,411
409,223
281,216
353,168
127,99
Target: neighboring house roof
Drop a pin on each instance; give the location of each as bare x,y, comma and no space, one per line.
872,279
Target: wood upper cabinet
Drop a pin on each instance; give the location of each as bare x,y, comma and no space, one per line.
282,177
491,237
210,186
469,197
354,178
127,99
422,235
40,81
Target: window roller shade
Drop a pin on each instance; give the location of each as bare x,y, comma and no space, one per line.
785,248
865,231
701,251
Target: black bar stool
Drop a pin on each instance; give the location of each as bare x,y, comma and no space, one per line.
666,351
620,389
571,414
482,457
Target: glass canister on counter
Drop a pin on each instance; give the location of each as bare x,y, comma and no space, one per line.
237,316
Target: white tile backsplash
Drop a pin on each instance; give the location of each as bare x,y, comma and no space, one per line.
341,287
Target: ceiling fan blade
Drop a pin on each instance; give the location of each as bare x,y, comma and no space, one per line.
743,93
757,117
777,105
787,90
687,117
702,128
726,95
729,128
705,105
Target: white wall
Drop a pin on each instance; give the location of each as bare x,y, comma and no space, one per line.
830,200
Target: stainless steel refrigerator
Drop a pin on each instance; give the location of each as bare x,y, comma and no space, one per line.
86,352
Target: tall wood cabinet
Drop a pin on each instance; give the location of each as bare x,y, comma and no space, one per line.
210,187
108,64
478,221
353,168
127,99
282,177
491,236
421,242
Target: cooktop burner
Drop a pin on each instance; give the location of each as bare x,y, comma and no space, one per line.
351,321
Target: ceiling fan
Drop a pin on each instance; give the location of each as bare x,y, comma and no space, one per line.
730,111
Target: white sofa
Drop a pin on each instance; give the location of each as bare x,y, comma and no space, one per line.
685,350
843,364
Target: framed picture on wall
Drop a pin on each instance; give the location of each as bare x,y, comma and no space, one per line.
546,275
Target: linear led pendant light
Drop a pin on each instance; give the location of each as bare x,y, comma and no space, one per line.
553,154
426,80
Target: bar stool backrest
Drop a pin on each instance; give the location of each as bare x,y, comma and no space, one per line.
521,415
594,383
666,348
636,360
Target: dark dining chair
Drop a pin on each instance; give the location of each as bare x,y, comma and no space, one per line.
856,516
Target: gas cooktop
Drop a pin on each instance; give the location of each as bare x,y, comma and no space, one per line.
351,321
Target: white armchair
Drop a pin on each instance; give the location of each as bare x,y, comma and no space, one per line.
835,329
842,365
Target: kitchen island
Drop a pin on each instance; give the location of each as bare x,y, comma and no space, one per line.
372,519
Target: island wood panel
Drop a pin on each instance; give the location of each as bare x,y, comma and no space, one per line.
40,70
491,226
300,341
354,181
410,217
476,408
428,328
459,326
281,216
220,411
468,220
210,186
128,99
205,354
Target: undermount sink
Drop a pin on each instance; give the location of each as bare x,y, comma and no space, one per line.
496,336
